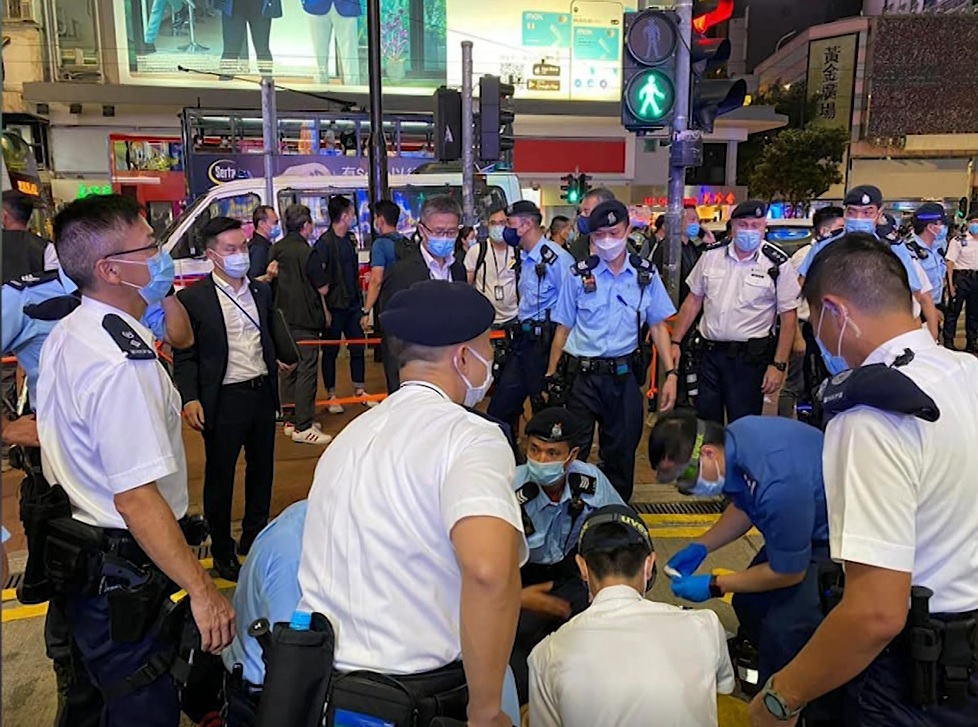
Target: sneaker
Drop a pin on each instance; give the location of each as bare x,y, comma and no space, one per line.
311,436
334,407
368,404
289,428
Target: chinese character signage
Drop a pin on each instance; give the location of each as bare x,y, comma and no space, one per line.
831,74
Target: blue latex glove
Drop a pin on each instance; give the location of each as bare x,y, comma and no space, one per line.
153,320
692,588
687,560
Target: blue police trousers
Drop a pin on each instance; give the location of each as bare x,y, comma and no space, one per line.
522,376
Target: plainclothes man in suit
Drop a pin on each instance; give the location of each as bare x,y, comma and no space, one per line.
227,382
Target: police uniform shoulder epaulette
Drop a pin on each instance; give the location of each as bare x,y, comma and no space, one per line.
718,245
32,279
582,484
774,253
917,250
547,254
640,263
128,341
53,309
527,492
586,266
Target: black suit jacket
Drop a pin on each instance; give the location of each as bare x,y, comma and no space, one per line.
410,270
199,370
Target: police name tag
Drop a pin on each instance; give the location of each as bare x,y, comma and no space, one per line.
498,293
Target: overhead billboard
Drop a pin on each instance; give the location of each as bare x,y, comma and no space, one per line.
554,49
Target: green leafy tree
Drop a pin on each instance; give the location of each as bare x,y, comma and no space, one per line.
798,165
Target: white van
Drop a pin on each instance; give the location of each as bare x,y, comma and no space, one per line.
238,199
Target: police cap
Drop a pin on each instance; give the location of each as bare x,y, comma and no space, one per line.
887,227
607,214
751,209
523,208
554,424
437,313
630,530
864,194
930,212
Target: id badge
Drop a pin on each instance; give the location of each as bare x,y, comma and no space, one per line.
498,293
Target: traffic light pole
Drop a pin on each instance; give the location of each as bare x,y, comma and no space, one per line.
269,132
378,144
679,150
468,150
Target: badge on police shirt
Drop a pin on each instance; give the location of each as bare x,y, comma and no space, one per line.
127,339
498,293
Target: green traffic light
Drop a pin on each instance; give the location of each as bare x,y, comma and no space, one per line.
572,196
650,95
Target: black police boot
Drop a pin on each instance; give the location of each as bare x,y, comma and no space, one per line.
228,568
244,544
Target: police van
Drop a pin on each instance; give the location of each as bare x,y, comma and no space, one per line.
238,199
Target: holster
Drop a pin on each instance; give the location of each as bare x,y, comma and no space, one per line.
831,581
72,556
135,597
761,350
561,382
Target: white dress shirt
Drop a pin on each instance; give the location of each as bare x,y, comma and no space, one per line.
377,558
902,493
436,270
963,252
107,423
245,358
740,299
804,312
627,661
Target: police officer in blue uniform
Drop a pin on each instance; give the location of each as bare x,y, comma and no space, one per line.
543,270
598,349
556,492
770,469
928,245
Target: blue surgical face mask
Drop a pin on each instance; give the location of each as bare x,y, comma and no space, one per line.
705,487
511,236
441,246
941,234
973,228
747,240
275,232
583,225
161,274
692,230
854,225
834,363
544,473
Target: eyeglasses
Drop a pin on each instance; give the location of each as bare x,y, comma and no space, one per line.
444,232
154,246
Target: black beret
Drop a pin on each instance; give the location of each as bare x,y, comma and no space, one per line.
607,214
555,424
930,212
887,227
437,313
523,208
751,209
864,194
630,531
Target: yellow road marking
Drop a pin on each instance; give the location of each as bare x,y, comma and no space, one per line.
9,594
656,518
21,612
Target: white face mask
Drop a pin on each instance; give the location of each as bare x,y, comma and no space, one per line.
609,248
475,394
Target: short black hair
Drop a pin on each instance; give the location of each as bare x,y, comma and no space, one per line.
660,221
498,209
261,213
18,205
625,562
388,211
217,226
826,215
862,269
558,223
599,194
405,352
337,206
88,229
674,436
296,217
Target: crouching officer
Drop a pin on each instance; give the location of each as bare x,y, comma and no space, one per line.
599,316
770,468
556,492
901,511
109,425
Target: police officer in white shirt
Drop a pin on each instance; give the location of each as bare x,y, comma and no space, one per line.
902,509
627,661
109,424
413,538
962,285
742,285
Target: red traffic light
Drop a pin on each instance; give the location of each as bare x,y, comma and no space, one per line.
713,12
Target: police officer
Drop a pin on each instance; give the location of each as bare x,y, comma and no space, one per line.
770,469
544,267
110,431
862,206
745,286
580,248
962,285
598,347
901,511
556,492
929,246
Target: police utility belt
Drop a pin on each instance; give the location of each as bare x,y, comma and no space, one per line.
617,366
301,684
755,349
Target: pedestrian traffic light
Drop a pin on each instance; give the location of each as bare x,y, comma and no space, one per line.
569,190
497,110
648,70
448,124
710,98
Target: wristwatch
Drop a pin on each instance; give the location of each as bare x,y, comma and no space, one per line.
715,590
781,366
672,372
775,704
363,312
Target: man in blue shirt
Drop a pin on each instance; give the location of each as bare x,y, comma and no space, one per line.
543,270
929,245
383,253
599,316
556,492
770,468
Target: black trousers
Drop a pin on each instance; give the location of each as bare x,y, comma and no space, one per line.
614,403
346,323
730,386
79,700
247,14
298,387
965,296
523,376
245,418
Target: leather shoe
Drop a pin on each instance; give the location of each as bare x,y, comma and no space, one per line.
244,545
228,568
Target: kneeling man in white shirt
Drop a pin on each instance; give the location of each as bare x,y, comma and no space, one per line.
627,661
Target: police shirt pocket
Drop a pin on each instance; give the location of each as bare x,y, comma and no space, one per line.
756,289
713,282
